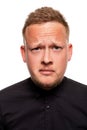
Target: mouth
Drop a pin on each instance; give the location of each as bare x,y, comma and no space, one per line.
46,72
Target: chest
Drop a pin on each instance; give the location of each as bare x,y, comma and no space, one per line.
45,113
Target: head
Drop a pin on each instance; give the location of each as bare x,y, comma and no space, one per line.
46,48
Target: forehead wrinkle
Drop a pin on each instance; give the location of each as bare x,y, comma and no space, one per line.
47,41
39,36
47,38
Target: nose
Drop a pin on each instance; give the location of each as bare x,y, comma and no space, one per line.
47,59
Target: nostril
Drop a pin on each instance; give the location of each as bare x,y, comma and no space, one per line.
46,63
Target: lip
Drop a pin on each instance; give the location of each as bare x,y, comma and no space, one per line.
46,71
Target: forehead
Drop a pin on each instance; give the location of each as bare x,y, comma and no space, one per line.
45,30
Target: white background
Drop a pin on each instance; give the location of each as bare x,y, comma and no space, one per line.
12,16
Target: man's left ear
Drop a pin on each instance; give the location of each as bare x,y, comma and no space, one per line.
70,47
22,49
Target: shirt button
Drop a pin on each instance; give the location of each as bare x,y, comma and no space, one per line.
47,106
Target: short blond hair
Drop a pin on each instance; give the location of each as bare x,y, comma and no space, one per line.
45,14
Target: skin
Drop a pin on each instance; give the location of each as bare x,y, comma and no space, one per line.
46,53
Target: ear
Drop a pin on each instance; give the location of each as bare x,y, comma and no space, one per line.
22,49
70,47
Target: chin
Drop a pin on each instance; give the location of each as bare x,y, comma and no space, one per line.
46,85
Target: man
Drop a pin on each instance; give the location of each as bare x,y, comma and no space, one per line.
47,100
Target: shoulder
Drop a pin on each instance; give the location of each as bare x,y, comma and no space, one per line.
16,85
75,89
75,84
74,93
15,89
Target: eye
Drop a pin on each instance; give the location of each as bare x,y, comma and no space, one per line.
36,49
57,48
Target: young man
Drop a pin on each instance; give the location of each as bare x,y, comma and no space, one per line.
47,100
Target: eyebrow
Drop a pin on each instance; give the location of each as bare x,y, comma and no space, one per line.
53,43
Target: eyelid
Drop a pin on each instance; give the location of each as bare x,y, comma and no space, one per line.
58,47
35,49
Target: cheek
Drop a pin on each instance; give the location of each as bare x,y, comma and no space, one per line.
61,61
61,57
33,62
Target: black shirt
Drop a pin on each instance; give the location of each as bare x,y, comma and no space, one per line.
24,106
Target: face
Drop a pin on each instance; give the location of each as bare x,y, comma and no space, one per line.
46,53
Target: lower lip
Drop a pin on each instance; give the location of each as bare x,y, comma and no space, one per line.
46,72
